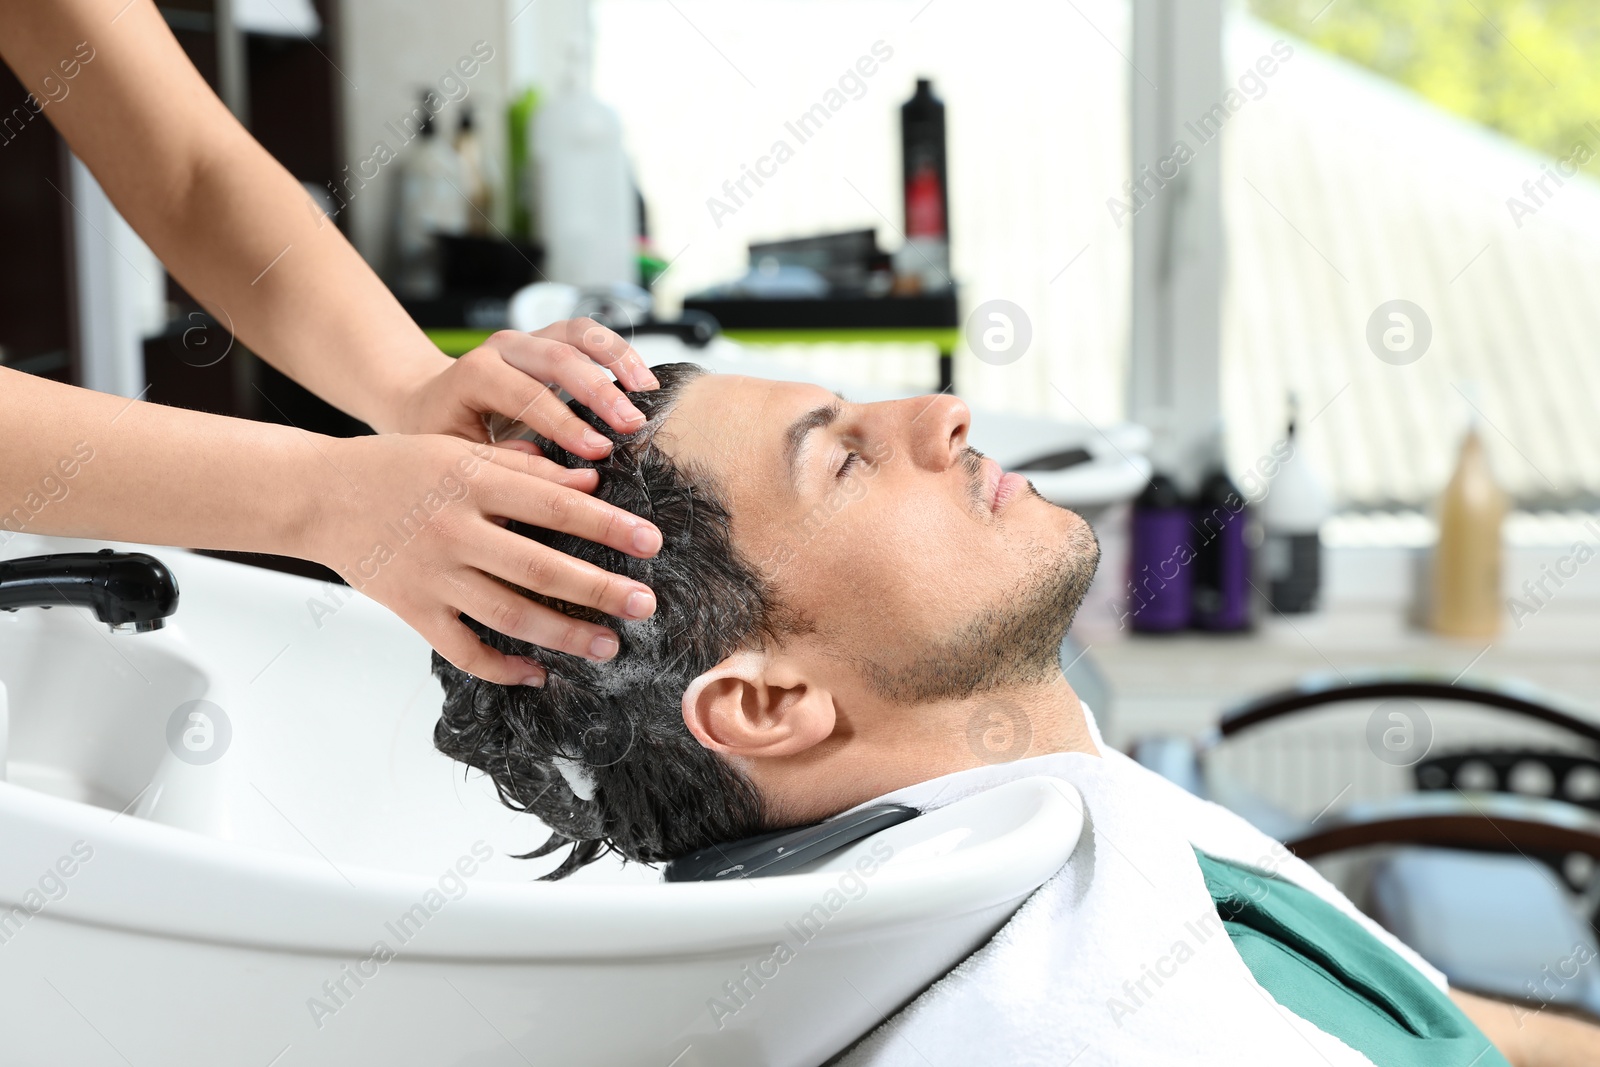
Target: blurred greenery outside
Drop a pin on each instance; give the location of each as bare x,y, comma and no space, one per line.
1524,67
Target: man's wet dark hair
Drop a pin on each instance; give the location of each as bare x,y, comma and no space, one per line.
656,793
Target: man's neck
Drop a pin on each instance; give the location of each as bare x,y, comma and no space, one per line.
892,749
1021,722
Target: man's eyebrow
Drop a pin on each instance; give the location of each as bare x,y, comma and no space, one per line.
817,418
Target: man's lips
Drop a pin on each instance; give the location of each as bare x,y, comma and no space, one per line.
999,486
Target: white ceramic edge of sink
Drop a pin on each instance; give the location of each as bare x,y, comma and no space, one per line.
172,882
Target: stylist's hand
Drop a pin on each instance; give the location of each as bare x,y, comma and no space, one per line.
512,374
416,522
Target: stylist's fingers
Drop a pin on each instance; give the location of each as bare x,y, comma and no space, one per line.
496,384
515,487
531,461
456,642
418,524
528,564
519,444
509,612
606,347
556,356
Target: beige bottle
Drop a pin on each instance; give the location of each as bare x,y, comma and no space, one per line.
1465,593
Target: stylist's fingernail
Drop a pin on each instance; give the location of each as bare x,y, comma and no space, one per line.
641,605
594,440
535,676
603,647
626,411
651,381
646,539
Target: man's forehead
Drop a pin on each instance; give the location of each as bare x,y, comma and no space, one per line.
729,419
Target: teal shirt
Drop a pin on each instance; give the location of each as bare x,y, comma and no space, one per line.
1325,967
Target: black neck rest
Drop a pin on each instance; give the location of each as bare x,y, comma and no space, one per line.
784,850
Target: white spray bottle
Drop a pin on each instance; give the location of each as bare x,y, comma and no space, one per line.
1292,515
588,213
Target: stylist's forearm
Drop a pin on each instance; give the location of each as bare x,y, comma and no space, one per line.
230,223
99,466
293,289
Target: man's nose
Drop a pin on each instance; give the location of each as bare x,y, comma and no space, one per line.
936,430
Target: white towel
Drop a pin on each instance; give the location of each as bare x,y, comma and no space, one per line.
1120,957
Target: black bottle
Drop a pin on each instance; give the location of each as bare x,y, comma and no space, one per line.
927,192
1221,593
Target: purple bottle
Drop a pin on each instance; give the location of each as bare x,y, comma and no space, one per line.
1161,560
1221,587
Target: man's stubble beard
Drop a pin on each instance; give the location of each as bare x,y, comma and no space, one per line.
1014,644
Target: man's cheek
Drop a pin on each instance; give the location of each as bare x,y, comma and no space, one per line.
872,552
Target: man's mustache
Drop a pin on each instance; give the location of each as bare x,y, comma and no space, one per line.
972,462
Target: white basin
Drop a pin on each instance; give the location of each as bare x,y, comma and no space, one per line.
330,890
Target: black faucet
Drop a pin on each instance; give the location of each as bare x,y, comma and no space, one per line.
129,591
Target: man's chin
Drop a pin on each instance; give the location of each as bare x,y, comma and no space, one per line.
1016,640
1080,548
1074,566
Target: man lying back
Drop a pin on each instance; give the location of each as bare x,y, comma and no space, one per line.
845,592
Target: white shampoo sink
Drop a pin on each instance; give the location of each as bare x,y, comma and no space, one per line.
231,841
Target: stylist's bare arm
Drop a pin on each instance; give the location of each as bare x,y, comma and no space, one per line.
233,226
241,236
415,522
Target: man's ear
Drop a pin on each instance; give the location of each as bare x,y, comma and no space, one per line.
752,705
